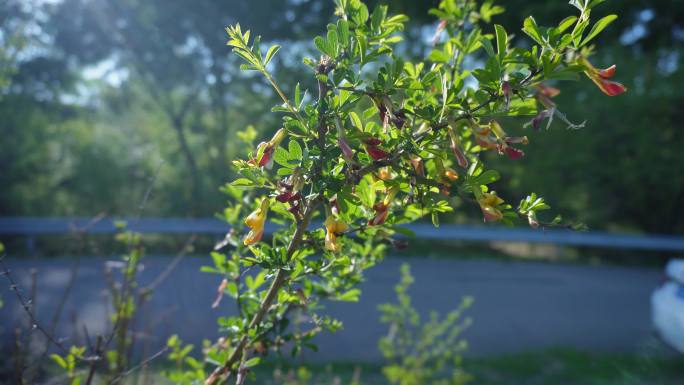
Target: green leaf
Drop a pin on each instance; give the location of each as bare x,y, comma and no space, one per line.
487,45
321,44
271,52
486,177
59,360
438,56
501,41
349,296
343,32
298,95
295,151
566,23
435,219
532,30
242,182
281,157
252,362
332,44
598,27
356,121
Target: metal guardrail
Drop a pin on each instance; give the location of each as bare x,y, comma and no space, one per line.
32,227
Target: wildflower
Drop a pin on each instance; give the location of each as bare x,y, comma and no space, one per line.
600,78
381,214
255,221
418,166
499,140
450,174
455,145
547,91
382,209
489,203
347,152
265,150
333,227
385,107
507,93
385,173
375,152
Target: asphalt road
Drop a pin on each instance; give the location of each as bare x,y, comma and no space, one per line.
518,306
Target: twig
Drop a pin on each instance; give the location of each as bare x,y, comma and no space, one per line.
171,266
140,365
57,315
26,305
98,353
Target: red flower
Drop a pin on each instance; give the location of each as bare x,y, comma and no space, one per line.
608,72
265,150
514,153
600,78
374,151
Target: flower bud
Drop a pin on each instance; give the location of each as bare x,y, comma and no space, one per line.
255,221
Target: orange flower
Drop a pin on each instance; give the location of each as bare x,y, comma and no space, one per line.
333,227
450,174
255,221
600,78
489,203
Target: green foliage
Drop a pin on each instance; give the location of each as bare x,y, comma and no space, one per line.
68,364
422,352
380,146
185,370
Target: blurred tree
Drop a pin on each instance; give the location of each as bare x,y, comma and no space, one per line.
104,90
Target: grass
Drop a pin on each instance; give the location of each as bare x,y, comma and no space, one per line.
550,367
561,366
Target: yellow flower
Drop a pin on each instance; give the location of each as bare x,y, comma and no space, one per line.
333,227
488,204
255,221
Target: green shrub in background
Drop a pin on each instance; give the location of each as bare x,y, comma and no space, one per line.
423,352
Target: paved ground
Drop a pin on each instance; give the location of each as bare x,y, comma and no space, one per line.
518,306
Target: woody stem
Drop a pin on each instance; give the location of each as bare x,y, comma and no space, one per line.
272,293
